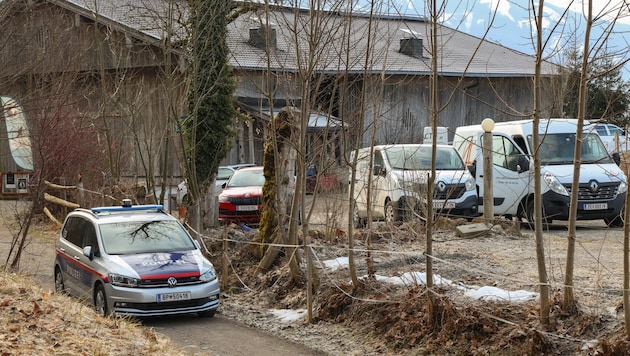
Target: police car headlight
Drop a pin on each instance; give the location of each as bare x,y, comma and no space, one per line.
622,188
554,184
209,275
123,281
470,183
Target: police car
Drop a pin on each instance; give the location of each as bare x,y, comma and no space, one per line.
134,261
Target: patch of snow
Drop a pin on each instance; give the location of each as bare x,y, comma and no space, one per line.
498,294
411,278
288,315
590,344
337,263
481,293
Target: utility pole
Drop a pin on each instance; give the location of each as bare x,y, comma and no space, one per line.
487,125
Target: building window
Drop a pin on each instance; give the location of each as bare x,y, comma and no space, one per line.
407,119
43,37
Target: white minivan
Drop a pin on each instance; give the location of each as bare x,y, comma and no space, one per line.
602,184
398,176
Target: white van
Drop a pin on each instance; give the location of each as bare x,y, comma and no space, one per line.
399,176
602,183
614,137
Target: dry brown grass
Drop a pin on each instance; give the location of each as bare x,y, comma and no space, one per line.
36,322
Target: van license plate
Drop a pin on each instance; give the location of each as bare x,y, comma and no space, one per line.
600,206
442,205
171,297
247,207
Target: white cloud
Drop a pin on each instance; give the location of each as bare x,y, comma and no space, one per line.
501,6
608,9
468,22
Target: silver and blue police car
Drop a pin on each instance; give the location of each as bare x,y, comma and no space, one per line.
134,261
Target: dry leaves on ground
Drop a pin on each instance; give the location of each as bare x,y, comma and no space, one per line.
36,322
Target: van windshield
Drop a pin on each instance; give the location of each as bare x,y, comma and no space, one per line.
419,158
559,149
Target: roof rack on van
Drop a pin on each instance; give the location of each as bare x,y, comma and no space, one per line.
126,207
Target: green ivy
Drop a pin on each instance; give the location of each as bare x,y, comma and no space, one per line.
210,128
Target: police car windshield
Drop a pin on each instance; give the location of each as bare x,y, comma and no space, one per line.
559,149
419,158
144,237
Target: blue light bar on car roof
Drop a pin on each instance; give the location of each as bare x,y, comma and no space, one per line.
122,209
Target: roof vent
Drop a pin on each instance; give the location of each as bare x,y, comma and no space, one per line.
263,37
411,46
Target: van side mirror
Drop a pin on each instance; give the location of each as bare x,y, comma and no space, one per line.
378,170
617,158
472,168
523,164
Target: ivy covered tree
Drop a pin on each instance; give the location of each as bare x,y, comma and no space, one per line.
607,92
208,130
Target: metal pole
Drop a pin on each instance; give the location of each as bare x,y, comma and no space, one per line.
488,197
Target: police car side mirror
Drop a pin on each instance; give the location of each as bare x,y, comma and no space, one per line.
87,252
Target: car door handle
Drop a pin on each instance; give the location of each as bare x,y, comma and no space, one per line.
77,257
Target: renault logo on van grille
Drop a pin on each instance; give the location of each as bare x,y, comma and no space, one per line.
172,281
441,187
593,186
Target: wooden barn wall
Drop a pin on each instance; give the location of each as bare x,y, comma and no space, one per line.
46,39
398,109
53,67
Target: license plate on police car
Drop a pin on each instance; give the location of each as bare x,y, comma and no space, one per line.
596,206
442,205
247,207
172,297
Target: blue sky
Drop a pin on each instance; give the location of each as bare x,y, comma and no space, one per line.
512,24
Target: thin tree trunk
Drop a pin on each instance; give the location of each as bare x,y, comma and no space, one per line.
568,300
538,228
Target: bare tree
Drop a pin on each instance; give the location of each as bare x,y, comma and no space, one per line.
540,250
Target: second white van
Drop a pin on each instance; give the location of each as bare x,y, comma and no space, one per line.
602,183
393,187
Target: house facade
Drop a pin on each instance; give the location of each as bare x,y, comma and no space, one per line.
116,70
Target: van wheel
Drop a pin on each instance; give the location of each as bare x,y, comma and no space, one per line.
391,213
530,216
100,301
616,221
357,220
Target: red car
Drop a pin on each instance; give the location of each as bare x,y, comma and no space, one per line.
241,199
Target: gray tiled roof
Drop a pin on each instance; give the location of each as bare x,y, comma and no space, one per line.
145,18
342,42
